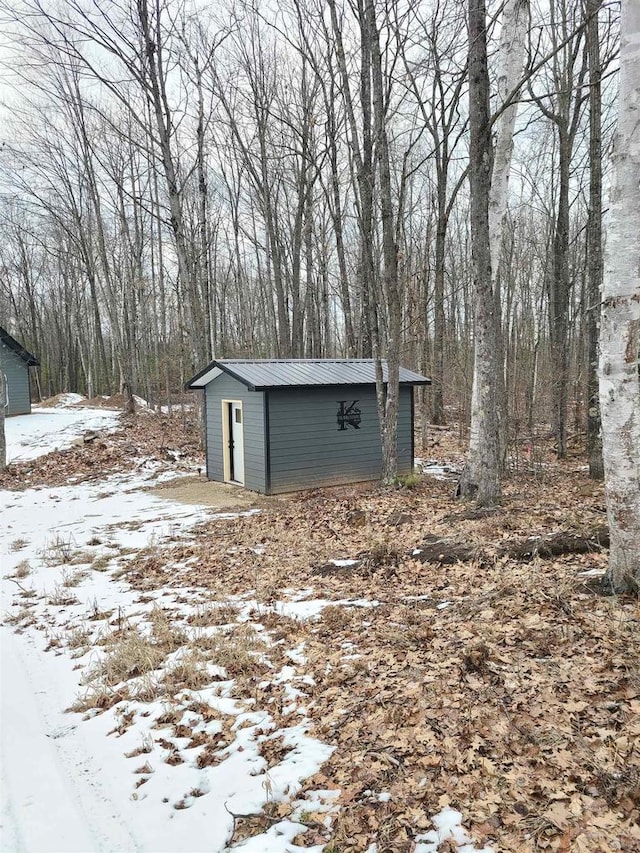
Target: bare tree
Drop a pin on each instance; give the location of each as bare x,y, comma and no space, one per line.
371,150
594,240
254,182
562,105
481,476
439,99
620,325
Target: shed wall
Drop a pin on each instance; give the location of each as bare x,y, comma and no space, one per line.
227,388
307,448
17,373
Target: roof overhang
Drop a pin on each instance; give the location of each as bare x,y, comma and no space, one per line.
18,349
217,368
211,372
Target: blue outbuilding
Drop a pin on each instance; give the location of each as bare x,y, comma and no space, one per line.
281,425
15,362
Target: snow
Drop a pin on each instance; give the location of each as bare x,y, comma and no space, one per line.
305,609
436,469
54,791
592,573
101,780
440,472
45,430
448,825
66,781
69,399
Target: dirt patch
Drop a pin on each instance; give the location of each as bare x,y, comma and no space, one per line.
199,490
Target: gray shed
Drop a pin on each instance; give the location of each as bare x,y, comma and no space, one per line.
15,362
277,426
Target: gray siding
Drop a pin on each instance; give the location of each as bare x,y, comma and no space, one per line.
226,388
307,449
17,374
405,432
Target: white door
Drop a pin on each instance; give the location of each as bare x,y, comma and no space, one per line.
237,443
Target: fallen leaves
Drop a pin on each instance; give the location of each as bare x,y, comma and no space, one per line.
148,439
502,686
514,702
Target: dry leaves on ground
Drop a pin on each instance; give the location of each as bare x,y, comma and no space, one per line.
502,687
144,439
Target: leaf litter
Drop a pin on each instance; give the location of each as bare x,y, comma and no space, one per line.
385,705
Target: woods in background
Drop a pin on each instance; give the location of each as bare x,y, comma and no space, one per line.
419,182
181,182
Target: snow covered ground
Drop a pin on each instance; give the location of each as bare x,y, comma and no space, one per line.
163,768
45,430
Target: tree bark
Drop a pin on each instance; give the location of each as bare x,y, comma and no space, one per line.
619,364
388,401
560,287
513,56
481,477
594,242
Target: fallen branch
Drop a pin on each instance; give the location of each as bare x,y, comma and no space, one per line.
448,551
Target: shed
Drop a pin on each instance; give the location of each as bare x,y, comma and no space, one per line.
15,362
277,426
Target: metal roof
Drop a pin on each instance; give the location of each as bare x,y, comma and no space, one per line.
13,344
263,374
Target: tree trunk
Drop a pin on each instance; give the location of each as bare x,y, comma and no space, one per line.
203,266
620,325
559,301
157,95
594,242
389,412
481,476
337,217
437,389
513,55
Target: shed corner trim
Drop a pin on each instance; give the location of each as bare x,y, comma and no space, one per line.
211,372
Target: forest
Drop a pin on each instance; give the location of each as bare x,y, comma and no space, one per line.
450,186
183,181
420,182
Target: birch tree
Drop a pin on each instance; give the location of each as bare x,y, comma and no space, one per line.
481,476
513,57
489,177
619,363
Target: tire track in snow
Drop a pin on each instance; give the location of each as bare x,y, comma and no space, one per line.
52,798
